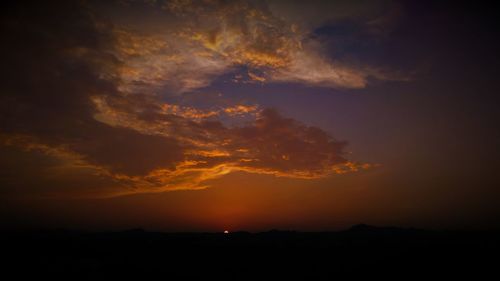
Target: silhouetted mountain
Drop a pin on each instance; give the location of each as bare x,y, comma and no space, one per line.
134,231
364,228
361,251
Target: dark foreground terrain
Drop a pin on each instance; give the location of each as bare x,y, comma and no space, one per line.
361,251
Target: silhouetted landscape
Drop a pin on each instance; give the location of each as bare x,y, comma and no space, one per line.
361,251
134,133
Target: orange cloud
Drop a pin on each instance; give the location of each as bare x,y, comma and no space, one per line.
142,157
91,100
185,54
272,145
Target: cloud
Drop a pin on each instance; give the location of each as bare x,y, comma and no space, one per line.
164,61
313,70
271,144
89,101
316,13
190,43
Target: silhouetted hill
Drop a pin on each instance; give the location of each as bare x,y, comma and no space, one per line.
371,228
361,251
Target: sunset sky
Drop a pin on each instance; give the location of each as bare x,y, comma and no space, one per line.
248,115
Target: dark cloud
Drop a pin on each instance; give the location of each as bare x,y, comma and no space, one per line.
127,151
54,57
287,146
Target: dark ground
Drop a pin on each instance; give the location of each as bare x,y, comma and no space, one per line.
362,251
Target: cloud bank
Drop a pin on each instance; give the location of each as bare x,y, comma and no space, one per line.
83,92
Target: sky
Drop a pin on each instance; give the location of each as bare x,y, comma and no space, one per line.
248,115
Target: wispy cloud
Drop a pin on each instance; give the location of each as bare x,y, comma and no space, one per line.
204,39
